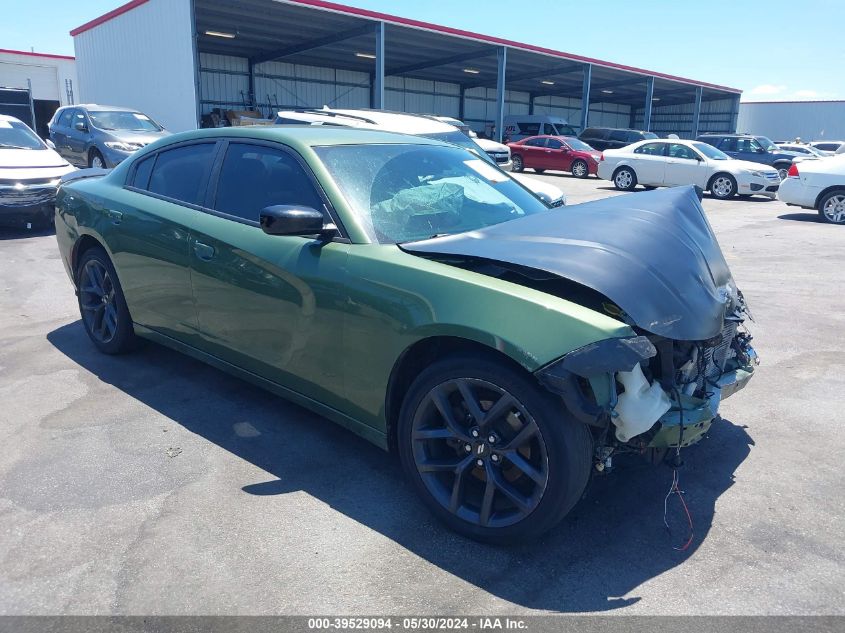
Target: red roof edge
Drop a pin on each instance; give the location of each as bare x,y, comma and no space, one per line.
386,17
108,16
31,54
794,101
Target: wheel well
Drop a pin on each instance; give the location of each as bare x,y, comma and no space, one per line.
782,163
83,244
419,356
628,167
827,191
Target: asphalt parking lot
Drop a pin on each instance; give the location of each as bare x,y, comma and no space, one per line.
153,484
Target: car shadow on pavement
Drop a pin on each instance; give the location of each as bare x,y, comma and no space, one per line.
809,216
610,544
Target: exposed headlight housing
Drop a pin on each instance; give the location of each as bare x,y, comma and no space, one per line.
122,146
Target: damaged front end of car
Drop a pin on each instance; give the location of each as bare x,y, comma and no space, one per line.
652,261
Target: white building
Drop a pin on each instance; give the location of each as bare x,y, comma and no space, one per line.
52,77
786,120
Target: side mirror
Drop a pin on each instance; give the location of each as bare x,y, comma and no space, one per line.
50,144
287,219
79,125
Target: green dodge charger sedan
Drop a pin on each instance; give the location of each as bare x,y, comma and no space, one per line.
423,299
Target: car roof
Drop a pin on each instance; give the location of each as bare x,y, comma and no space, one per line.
401,122
10,119
306,135
96,107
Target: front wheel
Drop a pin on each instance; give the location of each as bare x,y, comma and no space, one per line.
96,160
580,169
493,455
625,179
102,304
832,207
518,165
723,186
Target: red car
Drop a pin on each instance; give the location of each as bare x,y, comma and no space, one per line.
563,153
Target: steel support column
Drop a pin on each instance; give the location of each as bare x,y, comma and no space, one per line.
585,96
531,103
649,96
378,74
696,113
462,103
500,93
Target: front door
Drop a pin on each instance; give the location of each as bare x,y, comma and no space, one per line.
558,155
270,304
684,167
77,139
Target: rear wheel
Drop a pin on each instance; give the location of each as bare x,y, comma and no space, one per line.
102,304
518,165
624,179
492,454
580,169
783,171
723,186
832,207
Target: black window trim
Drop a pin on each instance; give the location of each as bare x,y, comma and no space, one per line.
651,141
218,156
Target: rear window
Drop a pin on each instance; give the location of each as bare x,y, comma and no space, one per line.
529,129
594,132
182,173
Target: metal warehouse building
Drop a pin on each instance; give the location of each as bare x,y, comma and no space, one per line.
177,60
785,120
51,78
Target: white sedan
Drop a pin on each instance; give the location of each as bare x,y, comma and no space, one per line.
818,184
673,162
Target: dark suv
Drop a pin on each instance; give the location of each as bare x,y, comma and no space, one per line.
603,138
757,149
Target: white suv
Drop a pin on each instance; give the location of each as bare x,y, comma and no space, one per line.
415,125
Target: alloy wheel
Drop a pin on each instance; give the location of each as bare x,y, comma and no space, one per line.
517,163
97,162
722,187
623,179
579,169
834,209
479,452
97,301
783,173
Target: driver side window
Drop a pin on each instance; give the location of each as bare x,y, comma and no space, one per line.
254,177
676,150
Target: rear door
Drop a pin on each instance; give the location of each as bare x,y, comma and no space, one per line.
162,198
270,304
649,163
533,152
59,134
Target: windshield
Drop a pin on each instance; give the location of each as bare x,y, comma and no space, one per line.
649,135
404,193
575,143
767,144
131,121
16,135
461,140
711,152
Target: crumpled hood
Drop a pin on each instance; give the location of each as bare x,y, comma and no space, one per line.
653,254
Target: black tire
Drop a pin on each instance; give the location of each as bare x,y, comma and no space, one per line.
832,207
625,179
539,171
649,187
722,186
93,156
518,165
526,500
744,195
102,305
580,169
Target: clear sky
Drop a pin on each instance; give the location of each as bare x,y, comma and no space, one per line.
771,49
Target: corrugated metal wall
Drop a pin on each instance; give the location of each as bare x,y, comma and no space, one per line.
422,96
716,116
809,120
111,70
